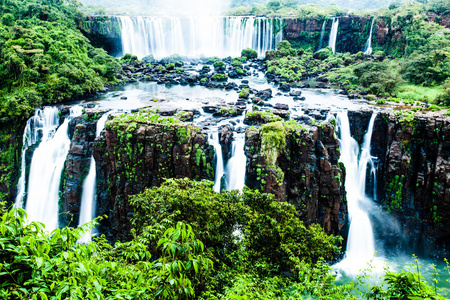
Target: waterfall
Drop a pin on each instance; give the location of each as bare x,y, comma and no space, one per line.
45,173
360,244
368,50
333,34
219,172
236,166
193,37
322,34
88,196
40,127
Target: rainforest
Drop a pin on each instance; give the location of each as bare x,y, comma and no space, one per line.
241,149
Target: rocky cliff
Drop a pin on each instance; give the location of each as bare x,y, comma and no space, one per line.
413,179
353,32
300,165
133,154
104,32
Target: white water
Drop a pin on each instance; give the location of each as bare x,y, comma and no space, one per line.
333,34
361,243
88,196
369,40
39,127
322,33
45,174
219,171
193,37
236,166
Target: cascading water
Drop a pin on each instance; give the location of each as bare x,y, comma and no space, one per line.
214,140
192,37
333,34
236,166
88,196
322,33
40,127
369,40
361,242
45,173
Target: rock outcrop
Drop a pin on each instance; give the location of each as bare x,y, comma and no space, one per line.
132,156
305,172
413,179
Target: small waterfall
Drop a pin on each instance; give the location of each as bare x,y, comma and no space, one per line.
333,34
219,172
40,127
193,37
236,166
45,173
361,242
88,196
368,50
322,34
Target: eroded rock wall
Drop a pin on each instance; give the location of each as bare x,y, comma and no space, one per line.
131,158
312,179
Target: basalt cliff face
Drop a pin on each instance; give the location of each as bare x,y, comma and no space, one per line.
131,158
413,179
306,174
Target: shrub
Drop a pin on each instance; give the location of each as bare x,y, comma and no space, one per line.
324,53
249,53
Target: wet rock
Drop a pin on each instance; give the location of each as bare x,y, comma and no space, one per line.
295,93
307,174
152,153
282,106
225,140
321,85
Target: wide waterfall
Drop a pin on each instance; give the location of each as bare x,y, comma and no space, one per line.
193,37
361,242
40,127
236,166
45,171
219,169
322,33
369,40
88,196
333,34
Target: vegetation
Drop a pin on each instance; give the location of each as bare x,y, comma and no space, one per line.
189,242
45,59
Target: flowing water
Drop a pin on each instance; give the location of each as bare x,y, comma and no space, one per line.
322,34
236,166
193,37
333,34
45,173
88,196
40,127
219,170
356,159
368,50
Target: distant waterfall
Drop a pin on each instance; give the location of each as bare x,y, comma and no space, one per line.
368,50
45,171
219,171
236,166
88,196
193,37
40,127
360,244
322,34
333,34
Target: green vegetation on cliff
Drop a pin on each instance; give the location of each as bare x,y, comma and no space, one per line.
44,58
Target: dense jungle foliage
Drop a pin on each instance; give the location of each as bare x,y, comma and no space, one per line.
189,243
44,58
